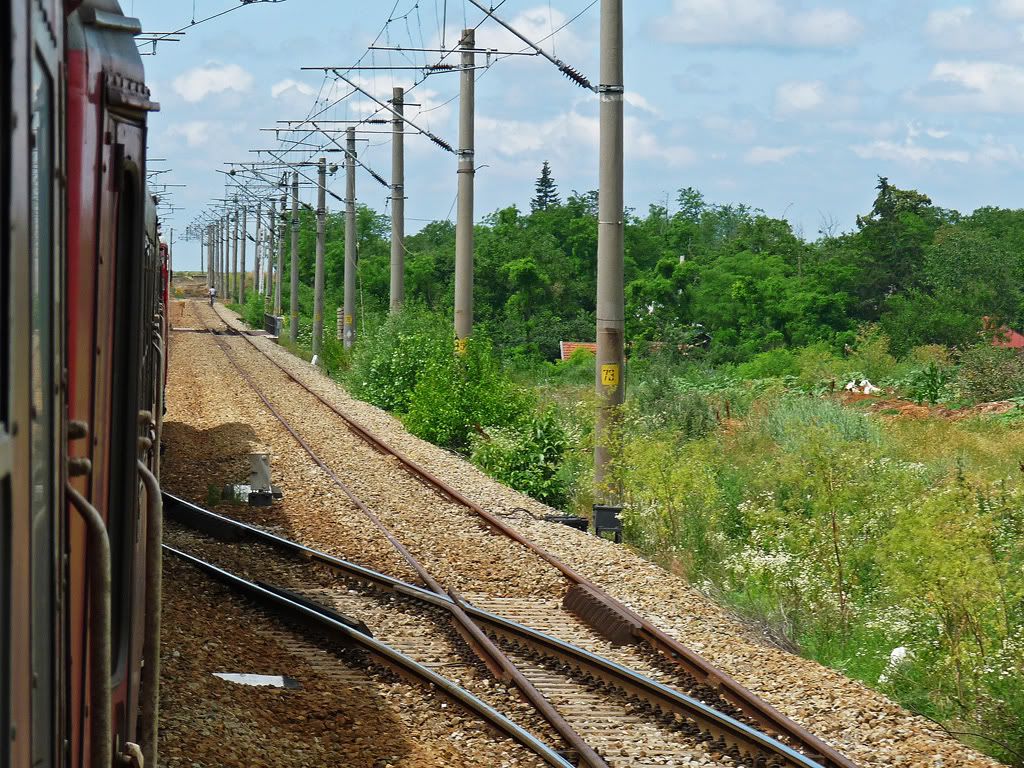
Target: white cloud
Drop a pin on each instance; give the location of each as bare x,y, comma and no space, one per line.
824,28
799,96
757,22
992,153
567,135
1009,9
974,86
196,132
200,82
290,85
639,102
909,151
962,28
763,155
738,129
536,23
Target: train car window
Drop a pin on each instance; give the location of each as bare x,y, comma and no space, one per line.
6,105
42,415
125,432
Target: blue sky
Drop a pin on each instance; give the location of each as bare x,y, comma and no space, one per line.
791,106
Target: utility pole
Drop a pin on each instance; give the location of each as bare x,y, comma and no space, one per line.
280,260
225,256
349,334
294,298
397,200
170,259
241,276
271,249
610,382
318,275
464,222
233,287
257,250
208,244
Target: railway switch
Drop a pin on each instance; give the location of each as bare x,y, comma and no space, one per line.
258,491
607,519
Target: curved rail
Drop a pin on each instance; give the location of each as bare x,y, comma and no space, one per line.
339,630
594,598
716,726
496,661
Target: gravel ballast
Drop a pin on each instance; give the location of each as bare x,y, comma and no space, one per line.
862,724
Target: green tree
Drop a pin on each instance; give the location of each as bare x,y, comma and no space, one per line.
547,191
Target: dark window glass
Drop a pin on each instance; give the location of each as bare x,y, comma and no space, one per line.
124,425
6,273
42,421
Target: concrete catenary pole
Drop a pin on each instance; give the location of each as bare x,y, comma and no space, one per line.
257,250
280,261
233,287
218,236
397,201
351,258
464,222
241,274
271,252
610,381
222,262
170,258
222,292
293,305
318,275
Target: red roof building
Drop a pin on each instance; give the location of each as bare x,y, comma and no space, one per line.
568,347
1008,339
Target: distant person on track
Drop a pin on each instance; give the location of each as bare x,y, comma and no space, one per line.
213,294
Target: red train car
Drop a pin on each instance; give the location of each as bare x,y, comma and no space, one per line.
81,392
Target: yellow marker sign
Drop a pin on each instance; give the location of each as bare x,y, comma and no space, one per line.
348,319
610,375
460,346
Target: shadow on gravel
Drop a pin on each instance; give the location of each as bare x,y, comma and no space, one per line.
197,463
335,717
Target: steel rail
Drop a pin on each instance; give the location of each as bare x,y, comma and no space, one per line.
391,657
496,661
695,665
715,725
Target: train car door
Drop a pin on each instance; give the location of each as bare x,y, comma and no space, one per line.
130,335
31,474
13,343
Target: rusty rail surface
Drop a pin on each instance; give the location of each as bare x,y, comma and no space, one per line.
340,630
485,649
732,736
591,601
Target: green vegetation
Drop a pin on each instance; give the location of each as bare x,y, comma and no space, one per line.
848,527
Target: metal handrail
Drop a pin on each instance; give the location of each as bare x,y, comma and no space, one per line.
151,636
100,747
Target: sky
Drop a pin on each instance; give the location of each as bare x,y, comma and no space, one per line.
794,107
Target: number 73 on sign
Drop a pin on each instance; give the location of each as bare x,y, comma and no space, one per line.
610,375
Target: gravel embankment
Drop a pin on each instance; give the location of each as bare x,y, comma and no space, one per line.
340,715
863,724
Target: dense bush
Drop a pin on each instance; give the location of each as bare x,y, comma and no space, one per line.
772,364
391,358
527,456
461,394
989,373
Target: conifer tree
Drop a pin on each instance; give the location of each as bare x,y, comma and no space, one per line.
547,190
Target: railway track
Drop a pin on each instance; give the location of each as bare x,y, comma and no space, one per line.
629,718
612,619
337,628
